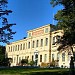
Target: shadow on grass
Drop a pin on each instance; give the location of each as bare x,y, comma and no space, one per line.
46,73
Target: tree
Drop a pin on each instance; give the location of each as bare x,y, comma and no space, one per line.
24,61
5,30
2,55
66,21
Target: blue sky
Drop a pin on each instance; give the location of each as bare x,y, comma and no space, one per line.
30,14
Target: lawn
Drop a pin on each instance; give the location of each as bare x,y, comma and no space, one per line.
33,71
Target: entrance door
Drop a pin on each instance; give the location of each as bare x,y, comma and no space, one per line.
36,59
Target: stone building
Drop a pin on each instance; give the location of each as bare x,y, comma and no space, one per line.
39,46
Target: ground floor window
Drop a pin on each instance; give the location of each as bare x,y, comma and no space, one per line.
45,57
52,57
63,56
40,58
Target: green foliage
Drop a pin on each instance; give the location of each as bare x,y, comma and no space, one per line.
32,63
2,54
66,21
24,61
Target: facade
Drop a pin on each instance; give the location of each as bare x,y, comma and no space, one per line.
39,46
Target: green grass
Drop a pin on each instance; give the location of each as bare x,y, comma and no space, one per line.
35,71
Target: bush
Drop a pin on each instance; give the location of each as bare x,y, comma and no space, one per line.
24,61
44,64
32,63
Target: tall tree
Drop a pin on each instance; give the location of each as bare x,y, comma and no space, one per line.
5,28
2,55
66,21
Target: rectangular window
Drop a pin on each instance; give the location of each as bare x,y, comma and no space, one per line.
63,56
14,59
57,56
46,42
23,46
18,47
28,44
33,44
58,39
40,58
41,42
46,30
45,57
53,40
37,43
32,58
9,49
52,57
29,34
19,59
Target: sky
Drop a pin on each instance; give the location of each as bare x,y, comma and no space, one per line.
30,14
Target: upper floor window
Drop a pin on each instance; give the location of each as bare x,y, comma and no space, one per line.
33,44
23,46
9,49
28,44
18,47
37,43
58,38
63,56
29,35
46,30
46,42
41,42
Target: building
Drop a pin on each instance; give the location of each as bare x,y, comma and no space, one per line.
39,46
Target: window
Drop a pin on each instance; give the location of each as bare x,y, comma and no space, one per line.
53,40
46,42
28,44
57,56
33,44
40,58
23,46
37,43
18,47
9,49
14,59
52,57
46,30
41,42
63,56
29,34
19,59
32,57
58,39
45,57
